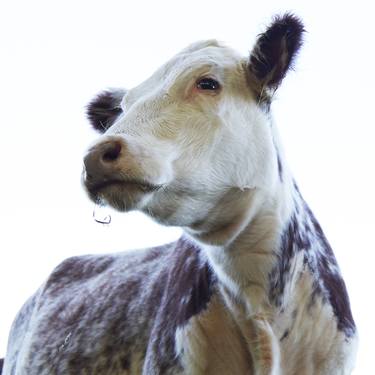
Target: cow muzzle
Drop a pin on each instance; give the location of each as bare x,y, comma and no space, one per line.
110,175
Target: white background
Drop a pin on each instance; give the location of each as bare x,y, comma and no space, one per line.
56,55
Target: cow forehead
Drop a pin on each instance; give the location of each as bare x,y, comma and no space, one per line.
208,52
200,58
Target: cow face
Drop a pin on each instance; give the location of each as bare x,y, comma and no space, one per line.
194,141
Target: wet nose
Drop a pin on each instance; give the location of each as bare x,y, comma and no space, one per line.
101,160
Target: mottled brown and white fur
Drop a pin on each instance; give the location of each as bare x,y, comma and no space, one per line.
252,287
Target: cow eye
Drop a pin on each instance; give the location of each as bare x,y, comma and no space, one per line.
208,84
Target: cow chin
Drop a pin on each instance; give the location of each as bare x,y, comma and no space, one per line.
121,197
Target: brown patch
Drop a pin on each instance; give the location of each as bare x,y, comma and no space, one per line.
213,343
280,167
304,236
74,269
186,287
285,335
334,287
292,241
261,343
125,363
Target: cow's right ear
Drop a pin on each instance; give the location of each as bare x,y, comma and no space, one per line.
105,108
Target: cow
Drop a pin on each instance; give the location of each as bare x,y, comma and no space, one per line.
251,287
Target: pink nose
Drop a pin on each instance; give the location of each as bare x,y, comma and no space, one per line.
101,161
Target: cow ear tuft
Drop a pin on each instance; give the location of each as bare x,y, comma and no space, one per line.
104,109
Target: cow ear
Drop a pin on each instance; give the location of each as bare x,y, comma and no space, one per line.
105,108
275,51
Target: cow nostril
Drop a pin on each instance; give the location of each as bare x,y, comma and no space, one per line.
112,152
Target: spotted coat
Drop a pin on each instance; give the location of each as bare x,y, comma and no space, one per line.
251,288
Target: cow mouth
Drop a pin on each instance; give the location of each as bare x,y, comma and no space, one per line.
132,184
100,191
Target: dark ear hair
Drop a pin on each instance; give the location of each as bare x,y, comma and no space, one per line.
274,52
104,109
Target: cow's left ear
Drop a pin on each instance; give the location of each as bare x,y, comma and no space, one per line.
105,108
274,52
